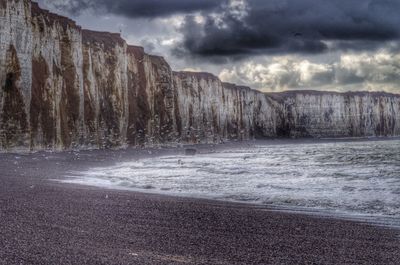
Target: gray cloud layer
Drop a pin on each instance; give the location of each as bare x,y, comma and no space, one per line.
293,26
236,28
136,8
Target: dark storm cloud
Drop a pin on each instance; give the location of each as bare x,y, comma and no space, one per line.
236,29
292,26
135,8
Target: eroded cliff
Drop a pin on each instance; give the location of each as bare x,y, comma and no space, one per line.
63,87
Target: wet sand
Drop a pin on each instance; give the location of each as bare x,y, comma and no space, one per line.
47,222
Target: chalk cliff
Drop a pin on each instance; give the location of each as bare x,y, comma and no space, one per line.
63,87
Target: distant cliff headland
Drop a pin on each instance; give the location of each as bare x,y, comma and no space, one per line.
63,87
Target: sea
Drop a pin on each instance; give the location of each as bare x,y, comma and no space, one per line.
341,179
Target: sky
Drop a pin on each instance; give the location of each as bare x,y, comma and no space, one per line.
270,45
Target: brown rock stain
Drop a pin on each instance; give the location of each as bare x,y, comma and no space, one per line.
139,109
14,124
178,118
89,100
3,4
70,102
110,110
42,104
163,101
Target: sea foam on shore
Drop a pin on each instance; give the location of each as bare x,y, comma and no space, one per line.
355,179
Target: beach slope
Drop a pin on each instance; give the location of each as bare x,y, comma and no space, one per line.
47,222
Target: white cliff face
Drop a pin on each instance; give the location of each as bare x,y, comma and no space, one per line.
63,87
201,107
316,114
214,111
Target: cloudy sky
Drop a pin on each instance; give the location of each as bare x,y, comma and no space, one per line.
271,45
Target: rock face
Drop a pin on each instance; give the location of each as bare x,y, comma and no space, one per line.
62,87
